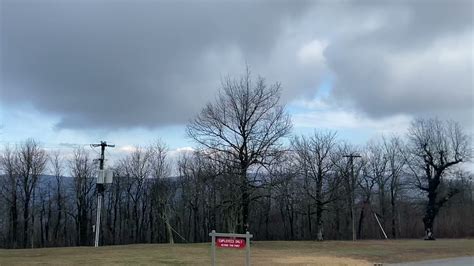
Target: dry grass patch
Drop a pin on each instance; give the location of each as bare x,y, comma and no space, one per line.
263,253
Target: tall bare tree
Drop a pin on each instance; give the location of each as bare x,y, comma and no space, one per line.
435,147
373,172
348,169
246,121
394,150
314,156
195,172
57,170
161,188
137,169
31,164
8,164
82,172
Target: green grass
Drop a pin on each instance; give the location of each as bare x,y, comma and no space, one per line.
263,253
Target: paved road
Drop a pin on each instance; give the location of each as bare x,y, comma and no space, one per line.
461,261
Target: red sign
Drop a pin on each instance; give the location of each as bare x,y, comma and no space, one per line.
225,242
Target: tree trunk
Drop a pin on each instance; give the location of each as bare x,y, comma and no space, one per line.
25,221
267,220
361,221
58,221
32,228
42,223
282,213
394,214
114,222
152,222
195,223
245,198
428,219
48,220
319,206
382,205
338,223
290,212
83,227
308,214
14,220
319,222
136,219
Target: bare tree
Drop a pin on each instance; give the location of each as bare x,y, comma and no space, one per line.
246,121
435,147
286,185
31,164
394,150
348,169
8,164
314,157
374,172
137,169
57,170
366,183
161,187
194,174
82,171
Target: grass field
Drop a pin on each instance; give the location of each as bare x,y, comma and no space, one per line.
364,252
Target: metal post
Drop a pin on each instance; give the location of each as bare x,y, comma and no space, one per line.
213,248
97,222
100,189
247,242
354,236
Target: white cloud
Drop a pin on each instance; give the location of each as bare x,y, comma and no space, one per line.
334,118
175,153
127,148
315,104
312,52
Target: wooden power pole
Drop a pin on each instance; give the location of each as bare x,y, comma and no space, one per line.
351,161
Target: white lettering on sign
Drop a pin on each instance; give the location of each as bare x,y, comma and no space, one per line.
230,242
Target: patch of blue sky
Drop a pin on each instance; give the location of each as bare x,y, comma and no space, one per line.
356,136
321,94
22,122
325,116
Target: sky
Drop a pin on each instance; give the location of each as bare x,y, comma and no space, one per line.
75,72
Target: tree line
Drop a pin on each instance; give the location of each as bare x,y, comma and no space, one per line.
247,173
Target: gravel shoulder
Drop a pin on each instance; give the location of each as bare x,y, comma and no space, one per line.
460,261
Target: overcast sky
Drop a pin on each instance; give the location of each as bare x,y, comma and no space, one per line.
79,71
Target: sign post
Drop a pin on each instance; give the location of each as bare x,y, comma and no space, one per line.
230,241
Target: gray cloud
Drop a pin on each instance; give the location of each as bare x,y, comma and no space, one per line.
129,64
147,64
416,59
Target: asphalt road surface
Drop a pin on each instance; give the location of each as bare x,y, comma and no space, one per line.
461,261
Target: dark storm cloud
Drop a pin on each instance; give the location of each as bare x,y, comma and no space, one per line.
123,64
151,63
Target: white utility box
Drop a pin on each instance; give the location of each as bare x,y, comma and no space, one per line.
105,176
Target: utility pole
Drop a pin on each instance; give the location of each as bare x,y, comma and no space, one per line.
100,190
351,161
